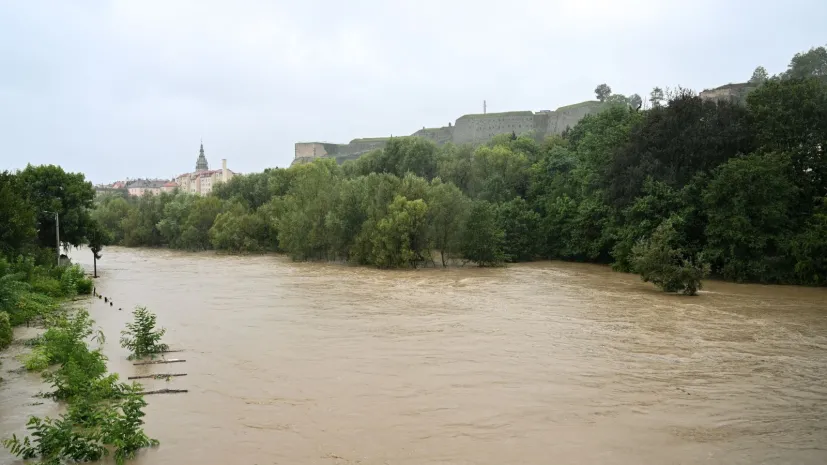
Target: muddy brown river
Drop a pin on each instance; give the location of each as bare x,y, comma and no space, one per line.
544,363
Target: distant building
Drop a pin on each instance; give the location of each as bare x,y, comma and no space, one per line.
202,180
140,187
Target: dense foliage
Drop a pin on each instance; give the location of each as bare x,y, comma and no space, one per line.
31,283
733,187
103,415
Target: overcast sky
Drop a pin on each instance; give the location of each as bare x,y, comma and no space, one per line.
127,88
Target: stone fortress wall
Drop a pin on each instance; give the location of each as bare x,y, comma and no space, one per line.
480,128
468,129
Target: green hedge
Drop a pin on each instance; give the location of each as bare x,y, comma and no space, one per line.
6,334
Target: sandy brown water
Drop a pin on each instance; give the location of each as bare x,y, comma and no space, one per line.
545,363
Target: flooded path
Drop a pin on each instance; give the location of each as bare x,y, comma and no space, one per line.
300,363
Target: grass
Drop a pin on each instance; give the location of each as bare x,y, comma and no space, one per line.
573,106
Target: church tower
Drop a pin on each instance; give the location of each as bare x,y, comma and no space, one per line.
201,164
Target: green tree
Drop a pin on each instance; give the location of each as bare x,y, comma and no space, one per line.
656,97
140,225
809,247
172,222
17,216
618,99
50,189
483,238
195,232
520,226
302,229
661,261
749,207
640,219
635,101
499,173
603,91
674,143
110,213
454,165
447,208
812,63
97,237
790,116
238,230
141,336
399,239
759,76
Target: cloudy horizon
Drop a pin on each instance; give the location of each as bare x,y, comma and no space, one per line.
119,89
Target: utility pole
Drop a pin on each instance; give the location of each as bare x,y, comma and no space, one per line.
57,234
484,107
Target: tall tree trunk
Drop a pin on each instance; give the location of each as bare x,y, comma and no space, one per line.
94,265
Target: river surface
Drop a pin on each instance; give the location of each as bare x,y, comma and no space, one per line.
544,363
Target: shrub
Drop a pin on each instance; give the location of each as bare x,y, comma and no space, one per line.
140,337
87,432
70,278
47,285
84,286
37,359
6,333
103,414
661,261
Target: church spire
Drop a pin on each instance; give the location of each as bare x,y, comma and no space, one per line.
201,164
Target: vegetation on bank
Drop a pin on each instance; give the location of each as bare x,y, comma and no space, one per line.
31,283
103,415
686,188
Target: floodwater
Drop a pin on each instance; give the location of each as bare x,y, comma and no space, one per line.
303,363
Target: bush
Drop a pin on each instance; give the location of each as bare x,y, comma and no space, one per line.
6,333
37,359
87,432
661,261
84,286
70,278
103,415
47,285
140,337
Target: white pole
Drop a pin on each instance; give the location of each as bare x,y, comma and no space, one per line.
57,234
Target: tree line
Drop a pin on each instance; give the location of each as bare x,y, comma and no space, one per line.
687,188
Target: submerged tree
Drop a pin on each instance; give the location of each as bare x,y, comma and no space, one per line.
141,337
97,237
661,261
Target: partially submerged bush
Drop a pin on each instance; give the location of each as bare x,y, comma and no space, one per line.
103,414
660,261
141,337
86,433
73,281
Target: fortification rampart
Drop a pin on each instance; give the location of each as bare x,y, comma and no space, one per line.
736,92
468,129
